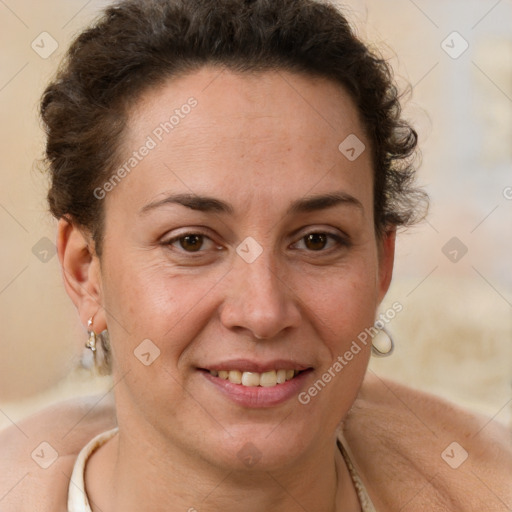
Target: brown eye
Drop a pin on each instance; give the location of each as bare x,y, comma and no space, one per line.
315,241
191,243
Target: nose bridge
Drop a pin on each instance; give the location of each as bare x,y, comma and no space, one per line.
262,277
260,300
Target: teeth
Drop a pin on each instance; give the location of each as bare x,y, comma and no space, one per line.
268,379
250,379
235,377
281,376
253,379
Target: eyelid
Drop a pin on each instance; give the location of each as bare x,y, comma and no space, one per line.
199,231
341,239
308,230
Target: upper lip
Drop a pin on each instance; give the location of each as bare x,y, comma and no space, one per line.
247,365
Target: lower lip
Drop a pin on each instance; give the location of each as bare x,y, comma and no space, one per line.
259,396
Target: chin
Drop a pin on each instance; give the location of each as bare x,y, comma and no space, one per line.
260,447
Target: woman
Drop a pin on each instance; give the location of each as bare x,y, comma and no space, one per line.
229,178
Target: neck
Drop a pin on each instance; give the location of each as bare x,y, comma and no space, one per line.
124,475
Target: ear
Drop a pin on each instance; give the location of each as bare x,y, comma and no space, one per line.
386,247
81,272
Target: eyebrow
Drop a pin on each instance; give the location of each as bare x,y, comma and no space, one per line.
210,204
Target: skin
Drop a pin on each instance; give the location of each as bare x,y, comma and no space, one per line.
401,472
178,434
256,144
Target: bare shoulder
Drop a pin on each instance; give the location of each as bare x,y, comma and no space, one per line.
418,452
37,454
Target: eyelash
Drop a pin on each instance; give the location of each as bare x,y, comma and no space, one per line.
341,242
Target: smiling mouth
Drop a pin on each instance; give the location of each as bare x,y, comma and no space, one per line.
253,379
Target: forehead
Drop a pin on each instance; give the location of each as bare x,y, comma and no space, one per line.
275,129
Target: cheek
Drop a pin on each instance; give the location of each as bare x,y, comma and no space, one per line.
343,308
347,314
146,300
343,300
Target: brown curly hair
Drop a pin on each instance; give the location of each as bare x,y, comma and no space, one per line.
137,44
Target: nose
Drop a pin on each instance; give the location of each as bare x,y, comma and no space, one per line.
259,299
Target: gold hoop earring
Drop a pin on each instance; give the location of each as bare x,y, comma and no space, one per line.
377,352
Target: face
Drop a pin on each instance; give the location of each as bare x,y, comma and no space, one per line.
242,240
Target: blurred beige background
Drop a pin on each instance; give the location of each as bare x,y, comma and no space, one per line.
454,335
